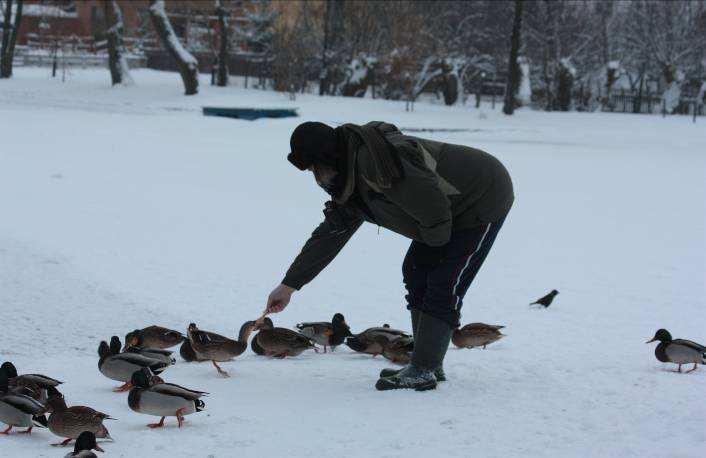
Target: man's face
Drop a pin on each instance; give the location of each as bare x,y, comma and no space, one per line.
325,177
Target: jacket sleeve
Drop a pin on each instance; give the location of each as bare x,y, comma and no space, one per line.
418,193
322,247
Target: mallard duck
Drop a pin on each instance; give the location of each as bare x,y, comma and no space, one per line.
85,444
70,422
19,410
678,351
209,346
155,353
34,385
152,396
281,342
327,334
120,366
373,340
187,352
399,350
476,335
154,337
254,346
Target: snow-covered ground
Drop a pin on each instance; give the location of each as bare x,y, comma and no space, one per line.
124,207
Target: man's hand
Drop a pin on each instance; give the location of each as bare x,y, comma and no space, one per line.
279,298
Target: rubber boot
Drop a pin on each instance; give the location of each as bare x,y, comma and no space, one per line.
438,373
430,346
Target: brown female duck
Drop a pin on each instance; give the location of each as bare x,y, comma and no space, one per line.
373,340
399,350
70,422
476,335
281,342
328,334
154,337
209,346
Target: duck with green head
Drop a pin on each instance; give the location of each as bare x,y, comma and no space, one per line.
151,396
328,334
70,422
120,366
85,444
18,409
678,351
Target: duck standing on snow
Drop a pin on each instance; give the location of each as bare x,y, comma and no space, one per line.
151,396
17,409
35,385
155,353
546,301
85,443
327,334
373,340
154,337
209,346
70,422
476,335
254,346
678,351
281,342
120,366
399,350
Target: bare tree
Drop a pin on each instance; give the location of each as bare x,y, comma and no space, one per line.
332,46
513,70
665,37
117,61
9,37
186,62
223,55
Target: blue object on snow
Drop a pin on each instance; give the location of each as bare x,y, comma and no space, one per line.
250,114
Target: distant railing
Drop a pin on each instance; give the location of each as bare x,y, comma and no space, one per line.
622,102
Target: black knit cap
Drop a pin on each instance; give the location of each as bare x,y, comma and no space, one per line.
312,142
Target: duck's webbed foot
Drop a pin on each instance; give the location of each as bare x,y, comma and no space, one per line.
220,371
693,368
125,387
62,444
180,416
156,425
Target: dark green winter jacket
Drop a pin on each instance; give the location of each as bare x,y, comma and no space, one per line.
443,188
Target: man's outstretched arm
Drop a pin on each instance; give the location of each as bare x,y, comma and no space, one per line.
322,247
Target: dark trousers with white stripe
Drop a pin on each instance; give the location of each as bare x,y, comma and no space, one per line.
436,279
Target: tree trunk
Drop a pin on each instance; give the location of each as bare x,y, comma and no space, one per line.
117,62
513,67
222,73
6,27
333,34
6,70
187,64
9,38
